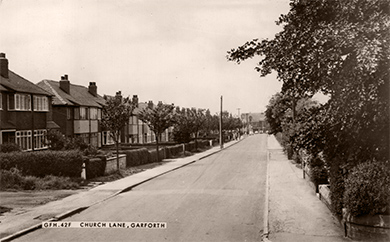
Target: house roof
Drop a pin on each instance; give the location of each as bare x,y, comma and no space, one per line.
3,88
139,108
16,83
79,95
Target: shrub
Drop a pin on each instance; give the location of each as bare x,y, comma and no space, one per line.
42,163
336,181
153,156
367,189
136,157
30,182
10,179
297,158
56,140
76,143
9,147
55,183
13,179
90,151
173,151
95,167
318,172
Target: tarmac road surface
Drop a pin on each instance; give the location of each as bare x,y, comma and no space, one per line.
218,198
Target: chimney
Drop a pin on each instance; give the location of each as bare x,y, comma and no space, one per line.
135,100
3,66
118,95
150,104
65,84
92,88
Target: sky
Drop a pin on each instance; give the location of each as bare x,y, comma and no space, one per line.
172,51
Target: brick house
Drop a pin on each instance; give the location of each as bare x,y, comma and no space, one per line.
137,132
77,110
25,110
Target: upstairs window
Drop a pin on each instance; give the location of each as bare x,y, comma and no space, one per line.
68,113
99,114
93,113
22,102
41,103
1,101
83,113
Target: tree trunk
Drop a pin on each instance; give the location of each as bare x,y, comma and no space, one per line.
196,141
157,148
294,111
117,153
117,157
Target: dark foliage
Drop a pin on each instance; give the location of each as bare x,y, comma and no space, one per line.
42,163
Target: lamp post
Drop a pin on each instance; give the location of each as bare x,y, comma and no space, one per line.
220,127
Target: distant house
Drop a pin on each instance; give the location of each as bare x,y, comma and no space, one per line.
25,110
137,132
254,122
77,110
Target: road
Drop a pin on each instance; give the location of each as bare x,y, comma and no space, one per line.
218,198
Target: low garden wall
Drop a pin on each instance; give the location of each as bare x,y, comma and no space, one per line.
111,164
367,227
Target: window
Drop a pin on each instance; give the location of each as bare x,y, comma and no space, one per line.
40,139
93,113
11,102
24,139
99,114
22,102
83,113
107,139
41,103
68,113
77,113
1,101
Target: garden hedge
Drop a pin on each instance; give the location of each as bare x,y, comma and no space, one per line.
173,151
367,189
42,163
136,157
95,167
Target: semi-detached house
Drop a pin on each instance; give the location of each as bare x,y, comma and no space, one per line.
25,110
138,132
77,110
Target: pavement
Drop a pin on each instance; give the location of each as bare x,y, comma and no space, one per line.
295,211
24,223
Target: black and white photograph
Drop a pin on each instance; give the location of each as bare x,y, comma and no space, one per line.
207,120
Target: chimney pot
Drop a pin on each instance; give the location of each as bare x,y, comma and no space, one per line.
65,84
3,65
135,100
92,88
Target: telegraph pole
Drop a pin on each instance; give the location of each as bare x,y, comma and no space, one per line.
220,127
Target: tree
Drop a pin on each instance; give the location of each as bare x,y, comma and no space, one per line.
211,122
340,48
183,127
189,123
115,115
198,117
158,118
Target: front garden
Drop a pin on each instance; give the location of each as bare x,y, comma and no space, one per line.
61,167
